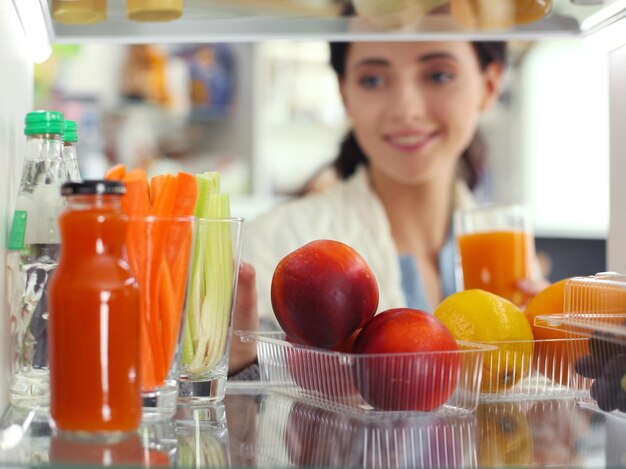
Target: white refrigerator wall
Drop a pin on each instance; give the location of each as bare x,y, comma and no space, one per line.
16,99
616,249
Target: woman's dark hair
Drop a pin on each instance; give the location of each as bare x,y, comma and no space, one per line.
473,158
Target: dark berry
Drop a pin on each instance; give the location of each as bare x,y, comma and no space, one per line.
588,367
603,346
621,401
606,393
615,368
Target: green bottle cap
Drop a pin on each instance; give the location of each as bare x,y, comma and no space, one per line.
70,131
44,122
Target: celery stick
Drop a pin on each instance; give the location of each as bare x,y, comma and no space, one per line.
222,269
208,184
187,342
215,313
208,313
211,306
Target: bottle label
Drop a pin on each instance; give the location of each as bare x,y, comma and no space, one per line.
18,230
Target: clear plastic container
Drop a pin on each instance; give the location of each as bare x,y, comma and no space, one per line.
296,433
595,307
378,385
531,369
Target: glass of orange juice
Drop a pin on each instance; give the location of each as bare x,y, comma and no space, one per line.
495,249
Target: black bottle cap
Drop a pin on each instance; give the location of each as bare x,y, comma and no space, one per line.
93,187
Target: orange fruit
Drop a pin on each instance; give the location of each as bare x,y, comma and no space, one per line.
480,316
550,358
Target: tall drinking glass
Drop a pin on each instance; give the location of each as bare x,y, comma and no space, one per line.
208,327
159,253
495,248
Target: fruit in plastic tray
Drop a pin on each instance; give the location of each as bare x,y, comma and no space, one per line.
480,316
550,356
400,379
322,292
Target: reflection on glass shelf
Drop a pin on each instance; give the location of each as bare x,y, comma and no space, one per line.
296,433
263,429
33,442
534,433
202,436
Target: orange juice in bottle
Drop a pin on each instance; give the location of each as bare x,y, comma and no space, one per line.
95,386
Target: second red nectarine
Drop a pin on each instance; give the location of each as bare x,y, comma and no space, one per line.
410,361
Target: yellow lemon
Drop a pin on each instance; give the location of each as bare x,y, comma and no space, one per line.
480,316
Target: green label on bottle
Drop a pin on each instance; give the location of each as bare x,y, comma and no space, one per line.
18,230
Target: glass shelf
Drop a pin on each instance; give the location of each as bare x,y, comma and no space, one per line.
257,428
252,20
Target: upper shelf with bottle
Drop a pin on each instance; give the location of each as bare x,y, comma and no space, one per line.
140,21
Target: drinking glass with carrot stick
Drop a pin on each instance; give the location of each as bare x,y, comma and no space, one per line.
159,242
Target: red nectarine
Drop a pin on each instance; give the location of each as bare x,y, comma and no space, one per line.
322,292
392,376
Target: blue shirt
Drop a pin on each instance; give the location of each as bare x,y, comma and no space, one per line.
412,284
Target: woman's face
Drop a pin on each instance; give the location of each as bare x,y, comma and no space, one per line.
414,106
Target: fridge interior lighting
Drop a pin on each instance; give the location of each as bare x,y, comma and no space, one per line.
608,38
605,14
31,14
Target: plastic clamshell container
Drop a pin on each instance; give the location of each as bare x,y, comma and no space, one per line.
595,307
530,369
376,385
297,433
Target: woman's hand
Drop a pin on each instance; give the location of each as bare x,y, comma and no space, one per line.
246,317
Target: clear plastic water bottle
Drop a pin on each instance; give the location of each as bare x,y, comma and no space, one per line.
70,138
32,256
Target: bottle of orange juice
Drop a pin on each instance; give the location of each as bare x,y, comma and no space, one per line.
94,329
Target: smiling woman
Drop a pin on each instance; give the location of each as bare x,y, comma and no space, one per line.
407,162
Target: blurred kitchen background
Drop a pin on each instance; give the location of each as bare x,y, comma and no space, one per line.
268,116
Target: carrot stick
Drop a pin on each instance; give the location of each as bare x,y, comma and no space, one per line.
148,377
186,195
116,172
170,320
163,203
162,206
136,202
180,236
136,205
156,182
151,293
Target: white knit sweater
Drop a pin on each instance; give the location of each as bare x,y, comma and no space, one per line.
349,212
